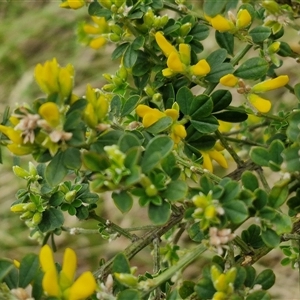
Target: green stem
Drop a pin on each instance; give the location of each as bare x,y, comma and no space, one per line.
235,60
184,261
244,141
140,244
263,180
242,245
228,147
78,230
113,226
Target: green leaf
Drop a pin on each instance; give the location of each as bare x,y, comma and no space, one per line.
212,8
275,150
270,238
253,68
130,57
159,214
118,52
250,181
121,264
236,211
266,279
138,42
205,288
123,201
251,274
240,277
293,129
158,148
206,125
231,116
285,50
128,141
231,190
171,29
52,218
201,107
186,289
221,99
95,162
195,233
219,71
278,195
130,105
200,32
297,91
184,98
260,33
216,58
225,40
252,236
28,269
95,9
5,267
292,159
259,295
72,158
129,294
161,125
283,223
176,191
260,156
56,171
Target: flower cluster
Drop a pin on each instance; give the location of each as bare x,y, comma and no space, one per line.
152,115
207,210
257,102
179,62
61,284
52,78
233,24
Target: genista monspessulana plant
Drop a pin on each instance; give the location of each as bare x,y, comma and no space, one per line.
201,112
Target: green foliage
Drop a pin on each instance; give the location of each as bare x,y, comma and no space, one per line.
154,135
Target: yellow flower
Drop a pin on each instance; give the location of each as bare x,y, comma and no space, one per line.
213,154
166,47
149,115
229,80
50,112
52,78
261,104
202,68
270,84
179,61
96,31
97,107
178,133
243,19
74,4
221,24
62,284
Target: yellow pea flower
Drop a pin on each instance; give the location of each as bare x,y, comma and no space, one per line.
261,104
73,4
185,53
243,19
97,42
178,133
174,63
173,113
62,284
270,84
202,68
52,78
166,47
213,154
50,112
229,80
221,24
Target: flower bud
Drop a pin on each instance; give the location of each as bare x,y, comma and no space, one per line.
243,19
17,208
37,218
105,3
127,279
70,196
149,17
30,206
151,190
270,84
20,172
185,29
229,80
26,215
